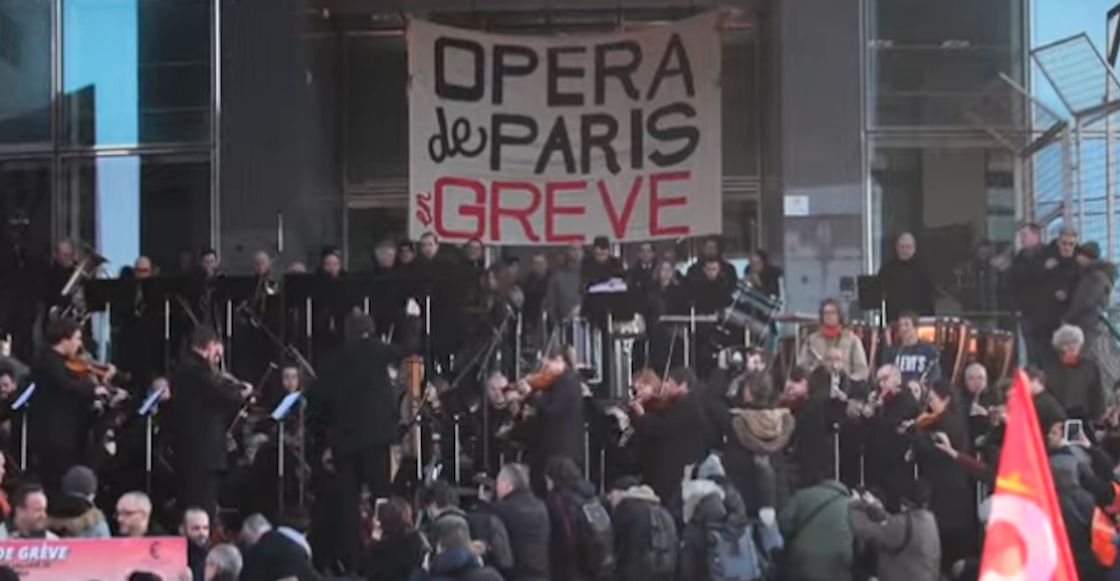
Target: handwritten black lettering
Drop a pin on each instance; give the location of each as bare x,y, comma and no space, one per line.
456,141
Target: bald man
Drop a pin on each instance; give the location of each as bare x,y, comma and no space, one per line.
906,281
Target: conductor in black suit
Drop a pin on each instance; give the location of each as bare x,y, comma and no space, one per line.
201,411
557,422
59,410
354,409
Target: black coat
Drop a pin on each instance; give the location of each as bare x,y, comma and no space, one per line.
886,465
276,556
526,518
559,422
1026,281
953,500
395,558
458,565
59,407
907,286
353,401
204,403
633,535
667,441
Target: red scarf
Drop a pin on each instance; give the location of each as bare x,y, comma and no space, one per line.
1071,360
831,331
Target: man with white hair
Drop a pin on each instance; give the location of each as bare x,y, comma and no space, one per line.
1075,380
223,563
134,516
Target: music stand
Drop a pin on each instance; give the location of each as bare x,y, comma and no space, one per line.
23,402
869,290
232,290
278,415
148,410
165,289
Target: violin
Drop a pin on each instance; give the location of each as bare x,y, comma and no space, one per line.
927,420
542,380
86,367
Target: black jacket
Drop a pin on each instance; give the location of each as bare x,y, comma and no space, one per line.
633,534
1093,294
59,407
201,414
559,422
353,401
458,565
668,440
275,556
394,558
887,467
526,518
953,499
907,286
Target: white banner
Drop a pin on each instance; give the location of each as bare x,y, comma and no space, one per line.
525,140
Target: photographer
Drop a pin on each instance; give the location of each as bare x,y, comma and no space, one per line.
905,544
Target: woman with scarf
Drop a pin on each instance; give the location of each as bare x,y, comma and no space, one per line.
669,431
759,434
834,334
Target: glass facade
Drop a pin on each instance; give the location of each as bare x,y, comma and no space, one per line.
931,170
116,97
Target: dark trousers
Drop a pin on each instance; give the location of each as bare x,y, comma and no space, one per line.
53,462
369,468
198,488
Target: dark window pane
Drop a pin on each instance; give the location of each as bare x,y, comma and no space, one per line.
25,220
25,71
740,103
927,60
136,71
158,206
376,108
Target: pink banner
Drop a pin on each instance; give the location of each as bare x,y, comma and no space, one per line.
101,559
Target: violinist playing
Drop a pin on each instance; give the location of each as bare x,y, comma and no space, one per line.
205,400
555,396
59,410
952,499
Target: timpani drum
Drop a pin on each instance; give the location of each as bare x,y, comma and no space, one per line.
751,312
995,350
950,335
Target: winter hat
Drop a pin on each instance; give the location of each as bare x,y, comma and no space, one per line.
1090,250
79,481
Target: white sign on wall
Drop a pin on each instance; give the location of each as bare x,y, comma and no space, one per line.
555,140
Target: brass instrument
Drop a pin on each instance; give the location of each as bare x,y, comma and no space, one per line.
87,268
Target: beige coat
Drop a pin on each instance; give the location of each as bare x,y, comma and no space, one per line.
816,345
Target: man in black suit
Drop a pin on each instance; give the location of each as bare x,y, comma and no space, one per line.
558,423
58,411
353,408
204,401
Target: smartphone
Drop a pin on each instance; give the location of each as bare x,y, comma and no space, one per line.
1073,430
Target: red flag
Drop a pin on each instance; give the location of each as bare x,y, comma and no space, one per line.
1025,538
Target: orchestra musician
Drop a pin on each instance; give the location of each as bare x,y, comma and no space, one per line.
834,334
555,396
205,398
918,361
354,410
669,430
58,274
60,406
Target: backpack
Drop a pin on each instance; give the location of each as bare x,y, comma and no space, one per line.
732,555
595,537
664,543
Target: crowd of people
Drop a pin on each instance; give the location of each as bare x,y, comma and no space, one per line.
852,464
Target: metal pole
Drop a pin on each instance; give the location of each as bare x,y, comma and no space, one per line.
1078,184
1067,176
1110,175
148,452
280,444
23,438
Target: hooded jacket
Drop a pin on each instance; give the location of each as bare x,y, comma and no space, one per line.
818,533
753,455
75,517
633,533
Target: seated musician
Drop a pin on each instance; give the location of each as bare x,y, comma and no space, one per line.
62,402
555,395
918,361
834,334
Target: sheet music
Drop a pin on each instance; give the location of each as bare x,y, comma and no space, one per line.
614,285
150,403
21,401
285,406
